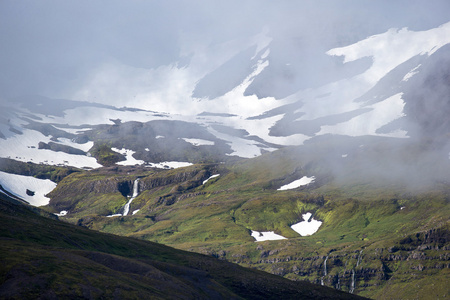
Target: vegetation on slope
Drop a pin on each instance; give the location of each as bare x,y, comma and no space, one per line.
362,245
45,258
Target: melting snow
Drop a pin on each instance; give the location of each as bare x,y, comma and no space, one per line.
130,160
62,213
307,227
367,123
212,176
241,147
18,185
297,183
24,147
135,211
115,215
266,236
84,147
73,130
411,73
169,164
199,142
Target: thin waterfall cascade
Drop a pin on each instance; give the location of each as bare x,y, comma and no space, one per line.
126,208
359,258
324,270
338,284
352,285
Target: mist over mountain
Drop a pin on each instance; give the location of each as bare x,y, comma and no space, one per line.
256,76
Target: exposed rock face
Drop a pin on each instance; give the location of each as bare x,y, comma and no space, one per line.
190,179
72,191
101,186
60,148
358,270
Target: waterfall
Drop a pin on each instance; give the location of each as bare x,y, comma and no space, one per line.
352,286
324,270
338,285
126,208
359,257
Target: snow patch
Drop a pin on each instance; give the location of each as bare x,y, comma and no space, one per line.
62,213
266,236
241,147
411,73
307,227
83,147
367,123
73,130
25,147
130,160
169,165
212,176
199,142
305,180
115,215
19,184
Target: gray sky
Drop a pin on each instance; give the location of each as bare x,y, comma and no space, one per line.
58,48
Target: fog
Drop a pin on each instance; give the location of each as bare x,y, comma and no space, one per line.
115,52
268,64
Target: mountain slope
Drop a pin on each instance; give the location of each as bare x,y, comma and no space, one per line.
380,230
44,258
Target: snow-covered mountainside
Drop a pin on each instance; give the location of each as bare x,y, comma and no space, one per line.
308,139
393,84
373,102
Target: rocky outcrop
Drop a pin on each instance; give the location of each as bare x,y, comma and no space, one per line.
354,271
60,148
111,180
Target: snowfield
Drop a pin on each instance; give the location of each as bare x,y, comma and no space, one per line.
304,228
212,176
305,180
199,142
18,185
307,227
130,160
24,147
83,147
266,236
169,165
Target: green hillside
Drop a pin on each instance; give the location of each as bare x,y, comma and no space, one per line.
44,258
380,238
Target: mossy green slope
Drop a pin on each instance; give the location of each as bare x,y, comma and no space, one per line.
374,214
45,258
